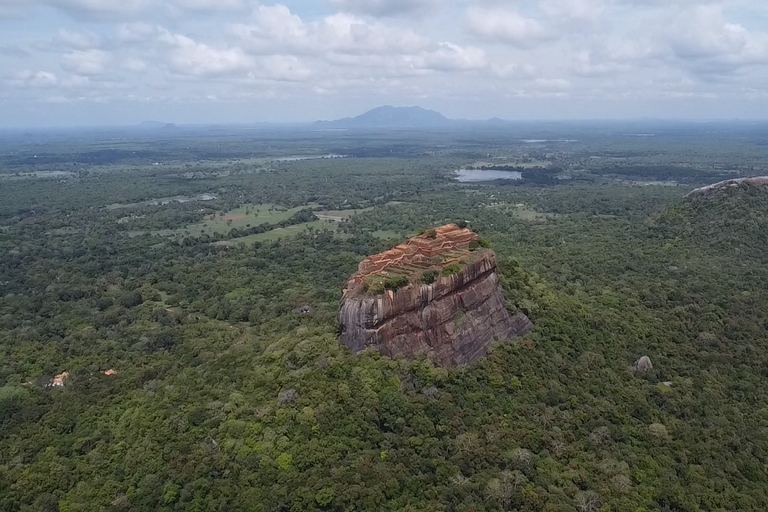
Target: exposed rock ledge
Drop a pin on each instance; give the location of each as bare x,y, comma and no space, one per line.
453,320
757,181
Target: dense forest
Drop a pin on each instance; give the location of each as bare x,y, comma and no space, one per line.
146,364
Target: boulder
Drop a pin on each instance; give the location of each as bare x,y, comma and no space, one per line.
642,365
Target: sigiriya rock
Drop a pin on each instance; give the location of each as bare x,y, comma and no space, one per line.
436,294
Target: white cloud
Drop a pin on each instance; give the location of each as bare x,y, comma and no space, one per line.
281,68
612,55
210,5
485,53
388,7
84,62
450,57
704,42
137,32
275,29
581,11
102,10
505,25
119,10
76,40
356,46
28,78
505,70
188,57
133,64
552,84
15,8
12,50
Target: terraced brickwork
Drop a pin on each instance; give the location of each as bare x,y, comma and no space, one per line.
449,244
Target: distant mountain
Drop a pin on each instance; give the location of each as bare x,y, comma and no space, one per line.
391,117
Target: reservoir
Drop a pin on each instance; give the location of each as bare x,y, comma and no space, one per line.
476,175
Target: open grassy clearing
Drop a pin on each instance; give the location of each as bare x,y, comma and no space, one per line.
531,164
521,211
525,213
279,233
243,217
385,234
338,215
163,201
66,230
253,215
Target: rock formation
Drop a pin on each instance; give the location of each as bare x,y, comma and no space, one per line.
437,294
757,181
642,365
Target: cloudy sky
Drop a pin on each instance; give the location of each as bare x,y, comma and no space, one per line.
96,62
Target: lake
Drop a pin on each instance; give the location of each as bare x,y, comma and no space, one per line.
475,175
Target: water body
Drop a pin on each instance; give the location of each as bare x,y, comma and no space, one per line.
477,175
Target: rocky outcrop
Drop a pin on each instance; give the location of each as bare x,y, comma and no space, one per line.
757,181
453,317
642,365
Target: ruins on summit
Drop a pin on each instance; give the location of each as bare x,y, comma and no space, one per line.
437,294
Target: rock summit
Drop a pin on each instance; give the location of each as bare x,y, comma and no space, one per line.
436,294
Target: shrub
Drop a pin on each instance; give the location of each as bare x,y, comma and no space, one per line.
374,284
395,282
325,497
431,233
479,242
430,276
132,299
451,269
284,461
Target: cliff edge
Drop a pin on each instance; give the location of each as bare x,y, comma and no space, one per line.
437,294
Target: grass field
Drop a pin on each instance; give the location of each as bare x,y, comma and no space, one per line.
338,215
385,235
243,217
254,215
163,201
522,211
526,213
328,219
279,233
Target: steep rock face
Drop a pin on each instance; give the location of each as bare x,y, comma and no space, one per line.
453,320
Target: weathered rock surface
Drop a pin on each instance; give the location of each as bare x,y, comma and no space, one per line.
453,320
642,365
757,181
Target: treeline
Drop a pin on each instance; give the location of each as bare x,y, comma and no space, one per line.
664,172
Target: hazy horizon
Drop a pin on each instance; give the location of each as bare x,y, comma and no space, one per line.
160,123
70,63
